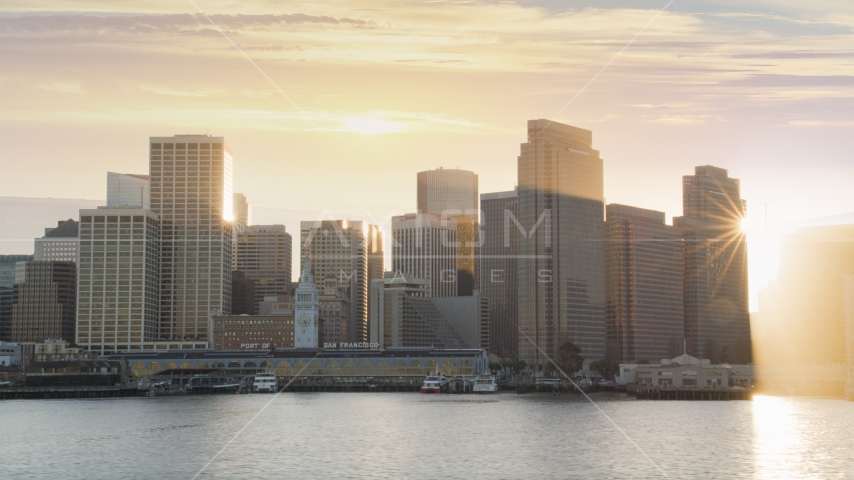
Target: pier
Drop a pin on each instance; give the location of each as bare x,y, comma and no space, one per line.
659,393
33,393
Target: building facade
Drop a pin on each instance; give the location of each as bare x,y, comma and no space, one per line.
561,267
435,248
7,284
717,322
242,213
643,285
448,192
118,291
497,270
334,303
191,192
306,310
252,332
58,244
403,315
128,190
264,255
353,252
43,301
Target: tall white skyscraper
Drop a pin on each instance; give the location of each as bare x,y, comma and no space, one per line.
448,192
242,213
306,310
128,190
191,191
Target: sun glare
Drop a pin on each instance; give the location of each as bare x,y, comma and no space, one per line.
370,125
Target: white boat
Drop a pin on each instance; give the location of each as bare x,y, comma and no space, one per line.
265,382
434,383
485,383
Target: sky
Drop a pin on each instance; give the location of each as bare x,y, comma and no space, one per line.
350,99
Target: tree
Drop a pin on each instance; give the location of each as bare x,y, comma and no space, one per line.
569,358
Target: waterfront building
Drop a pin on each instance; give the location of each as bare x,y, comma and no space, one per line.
849,335
497,270
435,248
43,301
306,310
51,350
264,256
59,244
717,322
118,290
10,354
561,267
448,192
334,303
191,192
683,371
7,284
252,332
128,190
402,315
405,366
644,309
353,252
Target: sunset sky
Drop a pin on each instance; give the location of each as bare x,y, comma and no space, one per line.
375,91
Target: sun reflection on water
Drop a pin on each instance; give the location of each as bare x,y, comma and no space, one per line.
778,443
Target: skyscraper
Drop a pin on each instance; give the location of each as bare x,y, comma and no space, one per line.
352,251
561,268
717,322
118,295
448,192
264,255
128,190
43,301
644,291
497,265
428,246
59,244
7,283
242,213
191,191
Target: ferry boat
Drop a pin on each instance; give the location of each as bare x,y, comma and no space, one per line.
434,383
485,383
265,382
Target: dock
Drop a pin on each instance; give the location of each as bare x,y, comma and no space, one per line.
33,393
665,393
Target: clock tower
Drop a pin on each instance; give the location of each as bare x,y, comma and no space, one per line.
306,309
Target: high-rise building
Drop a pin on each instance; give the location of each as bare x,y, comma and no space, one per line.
813,262
306,310
352,251
437,249
644,310
128,190
118,290
717,322
497,265
7,283
264,255
59,244
242,294
448,192
191,191
402,315
561,267
242,213
335,311
43,301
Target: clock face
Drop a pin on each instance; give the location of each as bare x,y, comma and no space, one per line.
304,321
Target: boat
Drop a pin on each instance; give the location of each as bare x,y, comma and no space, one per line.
485,383
434,383
265,382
